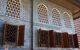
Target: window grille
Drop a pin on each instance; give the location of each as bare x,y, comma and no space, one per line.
56,17
13,8
42,13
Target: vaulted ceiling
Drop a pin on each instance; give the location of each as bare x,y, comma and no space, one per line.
73,5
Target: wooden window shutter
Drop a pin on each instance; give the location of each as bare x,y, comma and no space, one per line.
65,40
52,38
58,39
10,34
71,41
21,35
14,35
43,38
75,41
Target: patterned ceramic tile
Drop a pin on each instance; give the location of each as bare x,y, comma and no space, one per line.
77,29
3,4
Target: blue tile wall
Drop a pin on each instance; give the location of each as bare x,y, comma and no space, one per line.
37,25
25,18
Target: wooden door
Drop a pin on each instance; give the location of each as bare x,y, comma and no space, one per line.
52,38
75,41
65,40
21,35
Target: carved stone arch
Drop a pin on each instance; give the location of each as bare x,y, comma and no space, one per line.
42,13
56,17
67,19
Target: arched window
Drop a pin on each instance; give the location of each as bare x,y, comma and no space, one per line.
42,13
67,20
13,8
56,17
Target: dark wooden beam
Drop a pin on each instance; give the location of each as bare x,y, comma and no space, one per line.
76,18
74,2
59,4
76,12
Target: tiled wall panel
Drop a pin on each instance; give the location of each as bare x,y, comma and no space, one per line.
77,29
25,10
3,4
40,12
24,15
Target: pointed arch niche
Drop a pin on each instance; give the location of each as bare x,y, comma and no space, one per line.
42,13
67,20
56,17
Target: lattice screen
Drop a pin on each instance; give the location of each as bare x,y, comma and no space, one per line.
56,17
67,20
13,8
10,33
42,12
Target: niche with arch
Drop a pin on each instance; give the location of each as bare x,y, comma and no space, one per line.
67,20
56,17
42,13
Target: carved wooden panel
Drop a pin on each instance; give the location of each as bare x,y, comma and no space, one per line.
43,39
13,8
75,41
58,39
42,13
10,33
71,41
52,38
65,40
21,35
